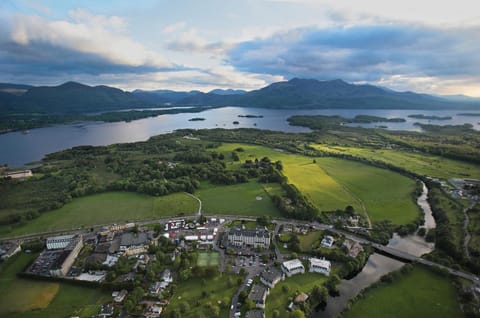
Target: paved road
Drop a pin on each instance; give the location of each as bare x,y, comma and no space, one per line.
199,202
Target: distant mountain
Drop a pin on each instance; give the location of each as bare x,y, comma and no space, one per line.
315,94
219,91
73,97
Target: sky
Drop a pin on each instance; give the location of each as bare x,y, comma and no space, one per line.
423,46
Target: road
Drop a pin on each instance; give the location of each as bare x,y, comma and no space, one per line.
199,202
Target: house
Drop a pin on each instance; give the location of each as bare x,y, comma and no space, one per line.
293,267
270,277
301,298
255,314
118,297
258,295
319,266
327,241
354,248
241,237
167,276
106,310
155,288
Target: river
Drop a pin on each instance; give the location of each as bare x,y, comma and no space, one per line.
379,265
17,149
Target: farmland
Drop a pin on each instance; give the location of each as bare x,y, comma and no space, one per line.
106,208
419,293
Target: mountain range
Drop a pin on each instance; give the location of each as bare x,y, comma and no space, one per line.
72,97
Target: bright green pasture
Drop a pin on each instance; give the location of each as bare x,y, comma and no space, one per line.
333,183
279,299
419,293
217,292
208,259
107,208
237,199
422,164
386,195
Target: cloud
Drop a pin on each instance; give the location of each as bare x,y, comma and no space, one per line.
190,41
364,53
84,43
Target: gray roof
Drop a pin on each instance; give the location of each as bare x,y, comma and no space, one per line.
132,239
271,274
258,232
255,314
258,293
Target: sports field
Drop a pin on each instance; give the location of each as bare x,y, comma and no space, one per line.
422,164
419,293
333,183
239,199
104,208
208,259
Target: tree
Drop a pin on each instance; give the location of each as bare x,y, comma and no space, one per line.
332,285
319,295
184,307
276,314
297,313
249,304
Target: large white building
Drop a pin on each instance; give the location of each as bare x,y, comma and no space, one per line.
248,237
320,266
58,242
293,267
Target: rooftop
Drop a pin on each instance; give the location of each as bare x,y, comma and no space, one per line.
131,239
258,232
258,293
292,263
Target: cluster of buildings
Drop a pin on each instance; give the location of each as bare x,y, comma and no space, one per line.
248,238
20,175
9,248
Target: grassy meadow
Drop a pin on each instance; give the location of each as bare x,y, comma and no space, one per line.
106,208
420,293
423,164
237,199
332,183
30,298
278,299
196,295
208,259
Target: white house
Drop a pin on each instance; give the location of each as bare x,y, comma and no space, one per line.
293,267
319,266
327,241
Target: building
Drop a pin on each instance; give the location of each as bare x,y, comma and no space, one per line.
118,297
155,288
321,266
258,295
59,242
327,241
301,298
354,248
133,244
293,267
241,237
9,248
255,314
271,277
66,258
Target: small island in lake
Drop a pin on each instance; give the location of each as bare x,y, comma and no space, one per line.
196,119
469,114
250,116
367,119
430,117
236,122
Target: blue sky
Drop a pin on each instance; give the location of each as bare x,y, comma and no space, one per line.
424,46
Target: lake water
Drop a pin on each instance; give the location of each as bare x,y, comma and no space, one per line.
17,149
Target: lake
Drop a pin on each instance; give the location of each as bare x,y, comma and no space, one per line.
17,149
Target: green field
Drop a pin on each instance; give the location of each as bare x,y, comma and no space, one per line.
419,293
106,208
306,241
422,164
30,298
208,259
279,299
333,183
217,292
237,199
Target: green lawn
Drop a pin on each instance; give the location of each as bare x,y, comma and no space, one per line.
306,241
208,259
279,299
333,183
32,298
423,164
217,292
419,293
237,199
107,208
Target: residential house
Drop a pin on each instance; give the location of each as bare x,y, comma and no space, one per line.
293,267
